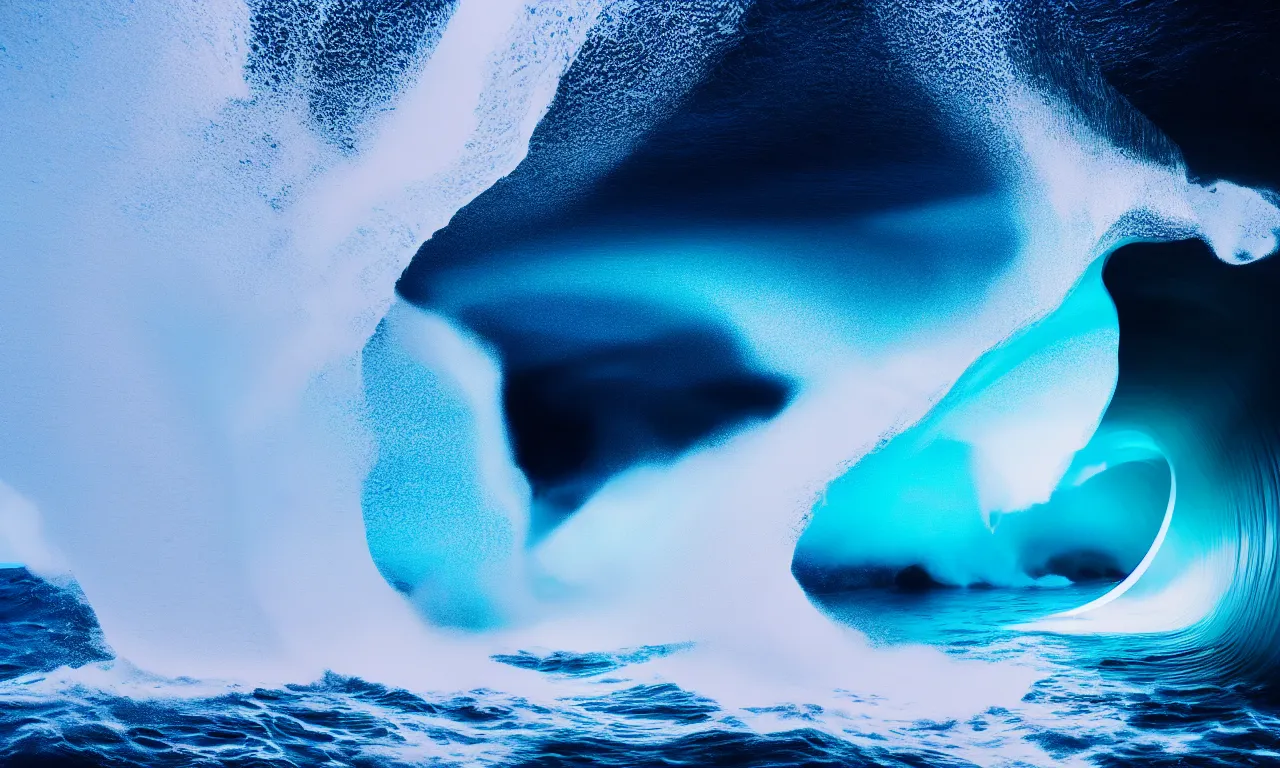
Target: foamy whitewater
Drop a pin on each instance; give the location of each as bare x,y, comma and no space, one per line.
263,507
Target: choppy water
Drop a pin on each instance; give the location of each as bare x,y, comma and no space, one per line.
1086,709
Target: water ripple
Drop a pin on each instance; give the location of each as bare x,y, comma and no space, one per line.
1083,711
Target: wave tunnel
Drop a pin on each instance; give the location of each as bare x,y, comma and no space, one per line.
609,317
574,382
1196,381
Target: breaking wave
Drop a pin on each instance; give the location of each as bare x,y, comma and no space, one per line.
574,354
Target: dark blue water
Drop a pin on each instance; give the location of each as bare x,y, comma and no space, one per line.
64,701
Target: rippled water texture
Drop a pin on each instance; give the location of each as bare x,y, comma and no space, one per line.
1094,703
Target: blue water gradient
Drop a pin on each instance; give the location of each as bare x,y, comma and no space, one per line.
580,382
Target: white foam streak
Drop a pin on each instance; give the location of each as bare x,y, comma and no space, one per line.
201,275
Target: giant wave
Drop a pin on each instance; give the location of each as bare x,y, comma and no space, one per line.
380,340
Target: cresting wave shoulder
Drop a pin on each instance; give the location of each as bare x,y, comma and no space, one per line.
1198,370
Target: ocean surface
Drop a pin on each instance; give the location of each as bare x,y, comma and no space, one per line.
57,705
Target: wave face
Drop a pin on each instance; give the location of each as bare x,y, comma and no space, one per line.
721,381
985,479
1211,419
